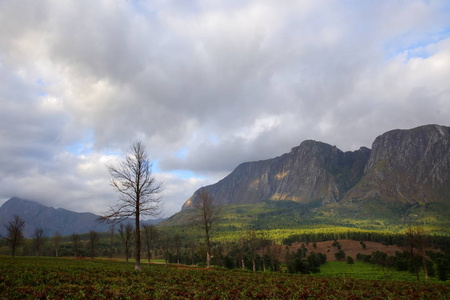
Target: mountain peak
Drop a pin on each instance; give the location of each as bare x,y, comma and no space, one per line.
14,200
48,218
17,206
408,166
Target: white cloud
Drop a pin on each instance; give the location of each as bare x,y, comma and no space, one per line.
223,82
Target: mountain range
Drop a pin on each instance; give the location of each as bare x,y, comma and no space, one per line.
50,219
404,172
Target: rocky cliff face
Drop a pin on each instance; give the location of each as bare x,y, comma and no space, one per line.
313,171
410,166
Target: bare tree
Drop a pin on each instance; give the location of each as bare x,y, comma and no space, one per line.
127,238
38,240
56,240
207,214
93,240
416,247
76,243
139,192
15,233
150,236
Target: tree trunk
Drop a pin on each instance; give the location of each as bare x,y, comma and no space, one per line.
208,251
425,269
137,267
208,260
416,269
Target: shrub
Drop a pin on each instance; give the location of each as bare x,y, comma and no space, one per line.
350,260
340,255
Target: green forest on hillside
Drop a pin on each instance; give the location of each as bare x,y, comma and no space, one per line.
282,217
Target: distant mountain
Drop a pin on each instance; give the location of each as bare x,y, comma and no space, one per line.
405,176
50,219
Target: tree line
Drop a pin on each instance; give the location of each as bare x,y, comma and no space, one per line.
253,251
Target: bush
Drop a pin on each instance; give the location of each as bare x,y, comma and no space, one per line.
340,255
350,260
443,268
298,264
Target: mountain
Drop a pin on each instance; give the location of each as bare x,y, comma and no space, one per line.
404,177
50,219
407,166
312,171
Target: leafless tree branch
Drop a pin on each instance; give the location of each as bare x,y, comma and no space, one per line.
139,192
208,213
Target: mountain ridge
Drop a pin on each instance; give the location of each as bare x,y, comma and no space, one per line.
50,219
404,165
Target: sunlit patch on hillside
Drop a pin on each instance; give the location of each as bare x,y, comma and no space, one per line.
254,184
280,176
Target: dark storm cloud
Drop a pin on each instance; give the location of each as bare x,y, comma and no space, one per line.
205,85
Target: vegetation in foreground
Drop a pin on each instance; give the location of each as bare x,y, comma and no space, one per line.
39,278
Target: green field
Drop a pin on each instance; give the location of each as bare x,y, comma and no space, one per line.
362,270
52,278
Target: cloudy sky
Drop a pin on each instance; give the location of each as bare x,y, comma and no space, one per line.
205,85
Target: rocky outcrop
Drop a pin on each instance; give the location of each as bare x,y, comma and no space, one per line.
313,171
408,166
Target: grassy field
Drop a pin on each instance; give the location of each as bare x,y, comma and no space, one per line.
362,270
51,278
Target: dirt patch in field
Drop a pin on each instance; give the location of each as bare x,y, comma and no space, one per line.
350,247
186,267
